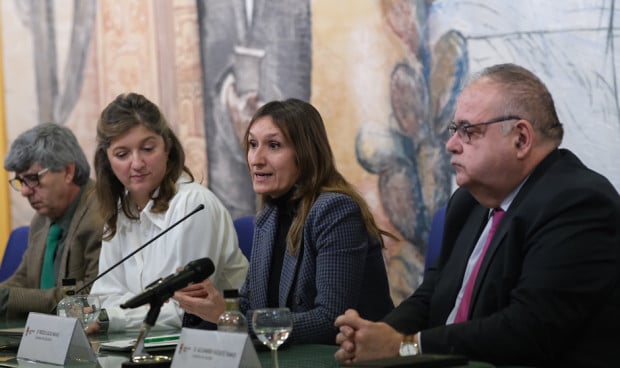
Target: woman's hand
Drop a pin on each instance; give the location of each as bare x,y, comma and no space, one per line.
201,299
197,290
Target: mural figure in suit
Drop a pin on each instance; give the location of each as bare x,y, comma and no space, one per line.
251,51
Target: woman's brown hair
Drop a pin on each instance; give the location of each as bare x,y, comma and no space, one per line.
303,126
125,112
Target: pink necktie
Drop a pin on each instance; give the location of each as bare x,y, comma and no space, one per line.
463,311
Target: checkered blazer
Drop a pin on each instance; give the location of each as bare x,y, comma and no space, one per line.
339,266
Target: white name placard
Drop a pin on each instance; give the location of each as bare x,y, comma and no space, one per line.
202,348
55,340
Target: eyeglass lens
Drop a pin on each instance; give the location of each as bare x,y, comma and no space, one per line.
29,180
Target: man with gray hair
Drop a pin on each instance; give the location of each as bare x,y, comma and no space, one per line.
52,172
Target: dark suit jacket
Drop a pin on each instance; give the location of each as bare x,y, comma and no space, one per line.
340,266
547,292
80,259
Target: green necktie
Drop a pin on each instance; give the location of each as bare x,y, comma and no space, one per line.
48,280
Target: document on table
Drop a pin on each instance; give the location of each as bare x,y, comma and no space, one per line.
17,331
156,342
10,339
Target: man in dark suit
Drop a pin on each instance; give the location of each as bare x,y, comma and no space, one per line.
52,172
545,289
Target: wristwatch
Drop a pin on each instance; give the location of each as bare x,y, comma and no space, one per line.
409,346
104,321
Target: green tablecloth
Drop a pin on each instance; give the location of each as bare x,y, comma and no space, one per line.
319,356
311,356
295,356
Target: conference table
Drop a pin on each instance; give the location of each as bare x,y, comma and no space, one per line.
298,356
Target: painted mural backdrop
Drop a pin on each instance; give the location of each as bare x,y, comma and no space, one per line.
407,153
384,75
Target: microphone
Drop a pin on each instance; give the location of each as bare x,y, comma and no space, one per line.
195,271
200,207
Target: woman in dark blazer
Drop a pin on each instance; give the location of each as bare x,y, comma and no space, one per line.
316,249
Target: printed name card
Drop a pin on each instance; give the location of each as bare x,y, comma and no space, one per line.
202,348
56,340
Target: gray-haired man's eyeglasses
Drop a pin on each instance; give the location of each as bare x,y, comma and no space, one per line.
29,180
465,130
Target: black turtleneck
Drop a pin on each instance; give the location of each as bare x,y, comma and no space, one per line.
286,213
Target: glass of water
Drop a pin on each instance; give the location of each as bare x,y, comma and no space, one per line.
272,327
83,307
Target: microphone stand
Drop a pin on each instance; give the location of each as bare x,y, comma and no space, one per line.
156,294
139,356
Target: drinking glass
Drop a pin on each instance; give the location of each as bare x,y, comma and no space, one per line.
85,308
272,327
